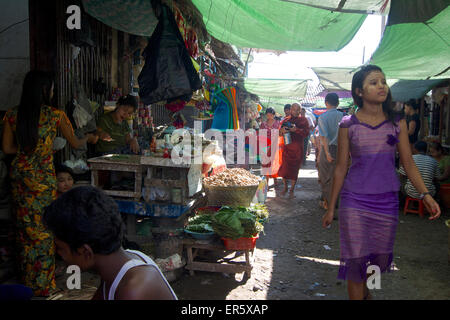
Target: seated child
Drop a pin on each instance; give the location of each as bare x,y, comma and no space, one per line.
88,232
64,179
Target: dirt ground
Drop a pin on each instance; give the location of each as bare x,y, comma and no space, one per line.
296,259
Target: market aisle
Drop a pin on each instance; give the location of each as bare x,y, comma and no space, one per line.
298,259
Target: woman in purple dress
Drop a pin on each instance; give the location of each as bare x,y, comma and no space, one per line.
368,212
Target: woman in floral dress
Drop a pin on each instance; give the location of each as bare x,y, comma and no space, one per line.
29,132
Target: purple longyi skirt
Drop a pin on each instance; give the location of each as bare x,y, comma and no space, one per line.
367,224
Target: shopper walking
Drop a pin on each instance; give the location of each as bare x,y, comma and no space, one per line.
328,132
368,212
270,169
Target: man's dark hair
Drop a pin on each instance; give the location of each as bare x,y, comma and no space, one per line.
333,99
287,107
421,146
86,215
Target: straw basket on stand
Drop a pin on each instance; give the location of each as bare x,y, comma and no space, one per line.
230,196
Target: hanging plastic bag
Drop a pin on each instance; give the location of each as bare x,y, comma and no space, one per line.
168,73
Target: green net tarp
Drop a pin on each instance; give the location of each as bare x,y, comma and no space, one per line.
416,42
131,16
276,88
354,6
335,79
277,103
275,93
412,89
278,25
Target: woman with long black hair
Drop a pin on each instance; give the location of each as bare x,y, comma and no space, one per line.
29,132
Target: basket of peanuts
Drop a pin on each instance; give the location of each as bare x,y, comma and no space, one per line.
232,187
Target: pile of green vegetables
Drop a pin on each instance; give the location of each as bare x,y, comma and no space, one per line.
260,211
200,224
239,222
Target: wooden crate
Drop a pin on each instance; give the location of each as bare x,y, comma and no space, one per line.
130,163
168,178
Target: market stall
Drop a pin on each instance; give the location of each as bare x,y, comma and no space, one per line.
162,202
158,189
229,226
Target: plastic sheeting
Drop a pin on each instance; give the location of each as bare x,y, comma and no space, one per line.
131,16
339,79
416,42
276,88
278,25
168,73
412,89
353,6
275,93
335,79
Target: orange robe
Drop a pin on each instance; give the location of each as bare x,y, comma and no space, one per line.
292,154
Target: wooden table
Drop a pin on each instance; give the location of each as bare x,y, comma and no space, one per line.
227,266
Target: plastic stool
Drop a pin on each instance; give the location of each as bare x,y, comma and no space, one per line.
413,201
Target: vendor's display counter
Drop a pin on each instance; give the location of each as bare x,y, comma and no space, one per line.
156,206
163,196
160,182
224,265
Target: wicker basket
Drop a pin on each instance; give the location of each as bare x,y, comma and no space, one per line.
230,196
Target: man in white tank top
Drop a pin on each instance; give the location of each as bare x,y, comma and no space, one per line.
88,232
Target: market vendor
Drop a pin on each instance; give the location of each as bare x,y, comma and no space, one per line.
113,130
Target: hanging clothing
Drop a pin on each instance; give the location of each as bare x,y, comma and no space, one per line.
33,183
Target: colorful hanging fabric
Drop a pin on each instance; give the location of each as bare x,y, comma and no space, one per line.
176,105
187,32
